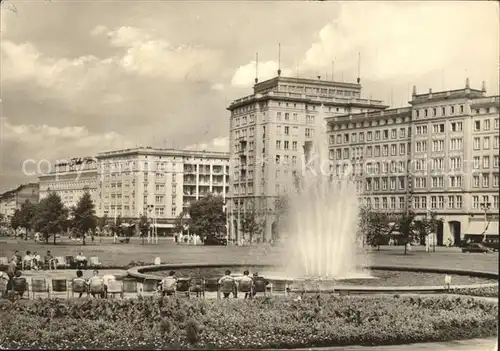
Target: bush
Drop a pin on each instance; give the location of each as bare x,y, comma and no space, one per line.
152,323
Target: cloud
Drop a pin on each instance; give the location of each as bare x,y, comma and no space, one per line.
217,87
245,75
69,77
408,39
45,142
217,144
148,56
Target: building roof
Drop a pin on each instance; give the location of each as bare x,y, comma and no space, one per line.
12,192
306,81
400,112
465,93
163,152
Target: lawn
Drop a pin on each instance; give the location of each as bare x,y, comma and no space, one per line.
122,254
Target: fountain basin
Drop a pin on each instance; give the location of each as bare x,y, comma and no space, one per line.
383,279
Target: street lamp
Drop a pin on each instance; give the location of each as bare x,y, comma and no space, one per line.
485,206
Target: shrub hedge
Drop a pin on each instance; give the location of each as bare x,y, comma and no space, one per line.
154,323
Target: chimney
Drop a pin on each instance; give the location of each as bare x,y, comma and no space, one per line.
483,87
430,93
414,93
467,83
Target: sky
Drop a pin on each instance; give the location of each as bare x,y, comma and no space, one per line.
81,77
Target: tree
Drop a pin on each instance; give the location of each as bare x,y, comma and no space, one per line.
102,222
116,228
181,221
407,228
207,216
26,217
250,224
426,226
50,216
375,226
84,216
15,220
282,207
143,226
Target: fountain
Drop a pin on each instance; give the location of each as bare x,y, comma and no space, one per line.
322,228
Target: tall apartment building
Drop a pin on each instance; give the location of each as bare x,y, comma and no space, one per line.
268,132
159,183
440,154
12,200
70,180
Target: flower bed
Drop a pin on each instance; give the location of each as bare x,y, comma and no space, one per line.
486,291
151,323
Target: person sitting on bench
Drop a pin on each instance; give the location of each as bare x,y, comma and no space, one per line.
81,261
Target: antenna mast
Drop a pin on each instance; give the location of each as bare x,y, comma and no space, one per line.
359,68
333,69
256,68
279,59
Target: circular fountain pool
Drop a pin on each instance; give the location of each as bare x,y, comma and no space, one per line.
379,279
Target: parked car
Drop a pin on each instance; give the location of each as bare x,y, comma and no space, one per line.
491,244
215,240
476,247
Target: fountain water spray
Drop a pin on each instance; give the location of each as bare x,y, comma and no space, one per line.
323,222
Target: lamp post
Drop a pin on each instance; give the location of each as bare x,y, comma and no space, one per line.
150,210
485,206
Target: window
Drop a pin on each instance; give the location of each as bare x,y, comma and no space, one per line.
437,145
486,180
455,181
278,144
477,143
402,132
443,111
353,137
369,136
475,162
402,149
456,144
394,133
377,151
438,128
486,162
377,135
287,116
361,136
486,143
475,202
386,134
287,130
477,126
394,149
433,201
475,181
495,180
440,201
495,161
294,145
369,151
308,132
496,123
456,126
486,124
278,116
455,163
495,142
437,182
